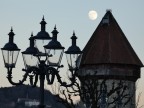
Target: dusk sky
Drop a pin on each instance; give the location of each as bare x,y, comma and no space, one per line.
68,15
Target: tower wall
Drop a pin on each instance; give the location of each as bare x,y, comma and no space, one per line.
119,82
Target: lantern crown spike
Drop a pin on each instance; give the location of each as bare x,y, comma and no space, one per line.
43,19
11,36
73,33
11,33
74,38
43,23
31,34
11,29
54,33
55,27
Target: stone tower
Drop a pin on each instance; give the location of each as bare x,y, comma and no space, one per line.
109,68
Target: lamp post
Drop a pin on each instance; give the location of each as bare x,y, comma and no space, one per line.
42,59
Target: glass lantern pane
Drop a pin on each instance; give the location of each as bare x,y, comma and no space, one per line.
73,60
10,58
39,43
30,60
56,57
78,61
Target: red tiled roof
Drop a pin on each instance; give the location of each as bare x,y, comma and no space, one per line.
108,44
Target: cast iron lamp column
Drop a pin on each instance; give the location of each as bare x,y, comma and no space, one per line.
42,65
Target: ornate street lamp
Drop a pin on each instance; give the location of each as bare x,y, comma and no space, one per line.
73,54
39,64
10,52
29,55
42,38
55,49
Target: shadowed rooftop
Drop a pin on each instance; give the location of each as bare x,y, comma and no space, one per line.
108,44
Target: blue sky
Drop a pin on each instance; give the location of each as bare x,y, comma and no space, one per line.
24,16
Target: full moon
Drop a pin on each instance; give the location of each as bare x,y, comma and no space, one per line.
92,15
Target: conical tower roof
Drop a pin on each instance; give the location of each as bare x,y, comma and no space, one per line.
109,45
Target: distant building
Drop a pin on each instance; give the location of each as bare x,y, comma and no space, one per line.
109,58
27,102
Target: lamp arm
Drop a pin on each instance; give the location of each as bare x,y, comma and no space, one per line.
35,72
33,83
9,77
36,80
50,81
72,79
31,79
